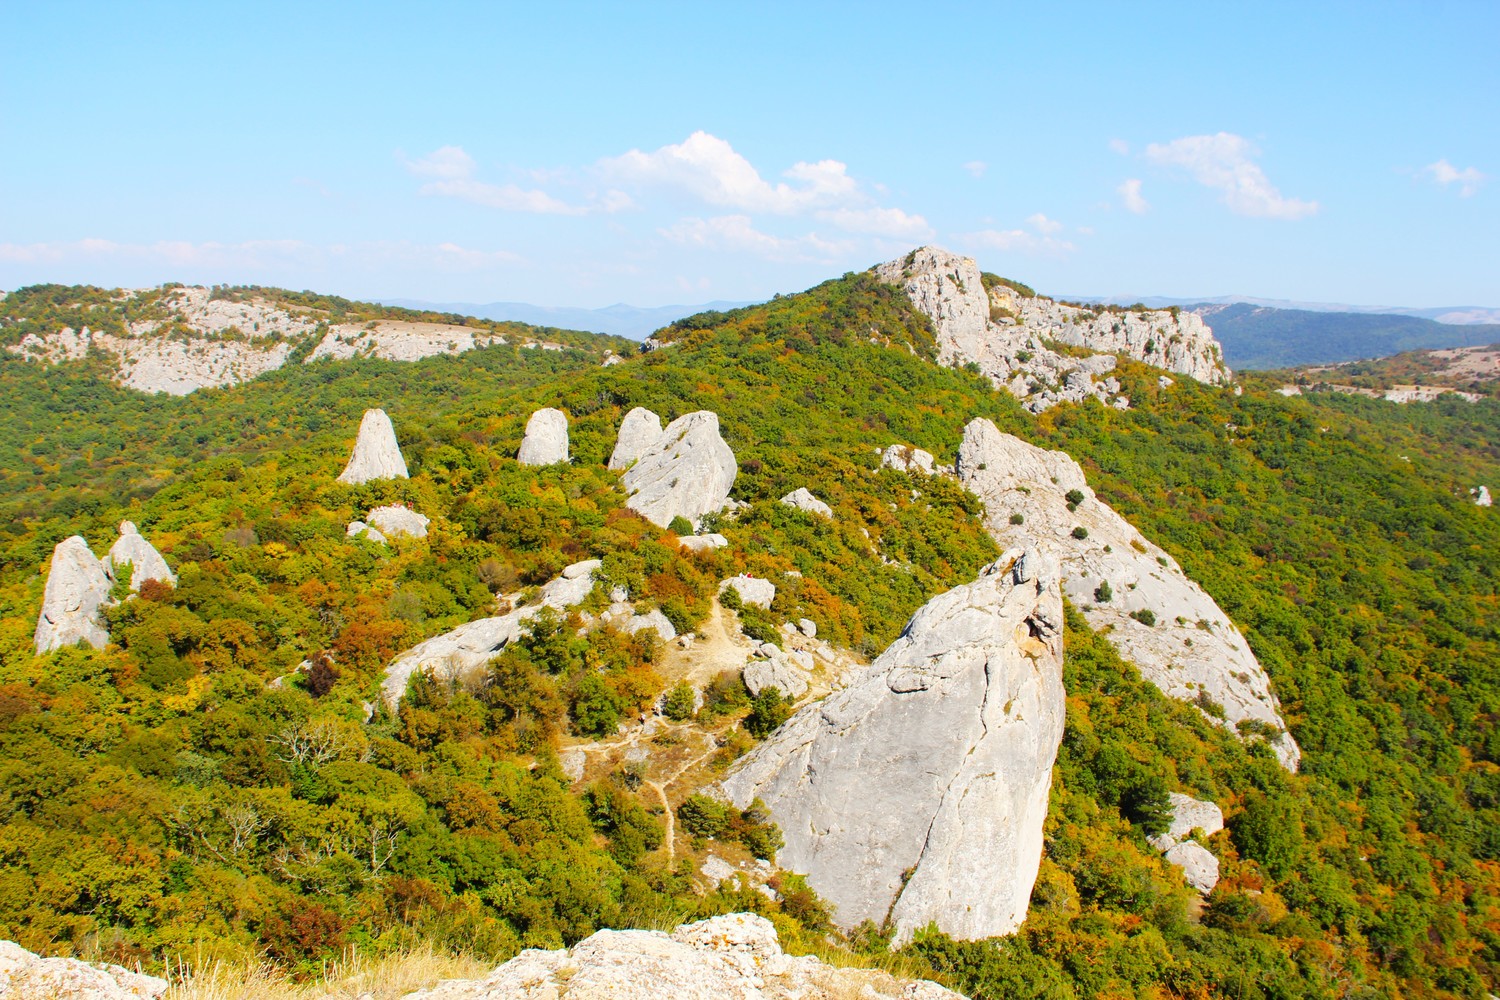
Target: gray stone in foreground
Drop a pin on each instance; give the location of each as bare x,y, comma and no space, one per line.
24,975
376,453
77,587
752,589
732,957
919,791
546,441
1199,866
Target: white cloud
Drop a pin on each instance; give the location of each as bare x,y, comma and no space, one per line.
976,167
1042,224
1120,146
447,162
1444,173
1130,194
1021,241
738,233
889,222
1226,163
708,168
452,172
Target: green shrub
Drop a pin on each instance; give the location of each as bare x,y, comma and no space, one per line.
1080,532
679,703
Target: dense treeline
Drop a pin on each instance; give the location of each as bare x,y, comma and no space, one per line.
160,793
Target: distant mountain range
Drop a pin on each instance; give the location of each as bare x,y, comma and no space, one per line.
620,319
1451,315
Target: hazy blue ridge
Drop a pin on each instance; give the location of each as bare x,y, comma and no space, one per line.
621,320
1258,337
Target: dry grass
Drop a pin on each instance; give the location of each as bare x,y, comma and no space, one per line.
353,976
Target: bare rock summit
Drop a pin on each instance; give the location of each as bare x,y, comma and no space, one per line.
376,453
77,587
917,792
687,471
638,431
546,441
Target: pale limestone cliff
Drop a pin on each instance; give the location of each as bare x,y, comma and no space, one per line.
376,454
1158,618
546,440
732,957
77,589
918,791
687,471
396,520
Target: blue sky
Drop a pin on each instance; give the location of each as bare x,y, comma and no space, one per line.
586,154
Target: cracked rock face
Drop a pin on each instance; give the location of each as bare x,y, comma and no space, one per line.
145,562
376,453
77,587
546,441
638,431
918,791
732,957
1121,581
687,471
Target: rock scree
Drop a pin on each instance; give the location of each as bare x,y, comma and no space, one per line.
546,441
687,471
77,587
638,431
732,957
376,453
917,792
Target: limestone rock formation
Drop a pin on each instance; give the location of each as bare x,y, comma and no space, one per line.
802,499
473,644
1158,618
145,562
776,670
919,790
732,957
397,520
546,441
1005,332
751,589
24,975
1199,867
638,431
376,453
1482,499
703,543
905,458
687,471
357,528
77,587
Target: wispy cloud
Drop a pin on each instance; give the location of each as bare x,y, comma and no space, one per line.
891,223
1130,194
737,233
452,171
1042,224
1444,173
1039,241
976,167
1120,146
1226,163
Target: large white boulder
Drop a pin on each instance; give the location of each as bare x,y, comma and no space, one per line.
905,458
1199,866
754,590
24,975
145,562
546,441
396,520
703,543
638,431
918,792
776,670
376,453
687,471
732,957
802,499
1191,650
77,588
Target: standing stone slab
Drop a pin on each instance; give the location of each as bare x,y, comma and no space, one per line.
145,562
376,453
546,441
919,791
687,471
638,431
77,587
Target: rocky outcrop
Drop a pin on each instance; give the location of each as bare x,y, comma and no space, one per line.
905,458
731,957
1157,617
1007,333
802,499
77,588
1199,866
397,520
457,653
546,441
751,589
917,793
358,528
376,453
776,670
687,471
1482,497
703,543
638,431
24,975
145,562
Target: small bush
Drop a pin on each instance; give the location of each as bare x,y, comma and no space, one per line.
1145,616
678,705
680,526
768,710
1080,532
1018,518
1075,497
1104,592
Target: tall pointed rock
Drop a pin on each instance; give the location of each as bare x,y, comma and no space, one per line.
376,453
638,431
145,562
687,471
546,441
77,587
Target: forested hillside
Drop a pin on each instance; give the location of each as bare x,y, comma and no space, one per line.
162,794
